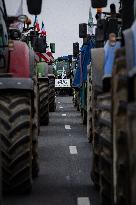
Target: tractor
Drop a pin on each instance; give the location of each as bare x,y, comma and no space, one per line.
111,94
45,76
18,107
82,57
64,75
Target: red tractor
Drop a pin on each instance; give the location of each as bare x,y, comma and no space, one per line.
18,108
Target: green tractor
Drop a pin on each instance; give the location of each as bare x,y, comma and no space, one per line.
44,61
64,74
43,80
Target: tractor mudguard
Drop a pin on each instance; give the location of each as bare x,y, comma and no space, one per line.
51,76
42,68
16,84
43,79
20,60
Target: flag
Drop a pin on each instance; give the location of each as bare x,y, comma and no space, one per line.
36,24
43,32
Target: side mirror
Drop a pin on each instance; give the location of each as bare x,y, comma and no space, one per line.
86,40
99,3
52,47
83,30
34,6
75,49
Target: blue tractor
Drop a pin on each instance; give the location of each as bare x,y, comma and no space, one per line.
80,77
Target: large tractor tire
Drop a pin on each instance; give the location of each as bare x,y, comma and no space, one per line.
78,100
16,141
83,102
105,137
131,127
0,175
52,104
131,120
95,171
84,117
44,101
120,138
89,114
35,131
96,73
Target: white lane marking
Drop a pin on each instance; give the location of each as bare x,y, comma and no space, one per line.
67,127
73,149
61,107
83,201
63,115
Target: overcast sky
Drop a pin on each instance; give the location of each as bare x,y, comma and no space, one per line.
61,19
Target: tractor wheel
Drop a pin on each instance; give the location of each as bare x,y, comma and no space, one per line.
105,138
35,129
84,117
120,136
52,106
35,161
95,170
16,142
78,100
89,110
0,176
44,101
78,109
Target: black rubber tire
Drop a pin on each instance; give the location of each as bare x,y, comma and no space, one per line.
103,127
84,117
78,109
0,175
52,106
35,161
35,129
121,139
44,102
16,142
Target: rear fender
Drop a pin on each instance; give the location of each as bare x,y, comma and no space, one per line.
51,76
43,79
15,84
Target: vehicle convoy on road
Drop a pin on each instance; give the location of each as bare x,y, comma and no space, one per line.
110,99
112,103
98,130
